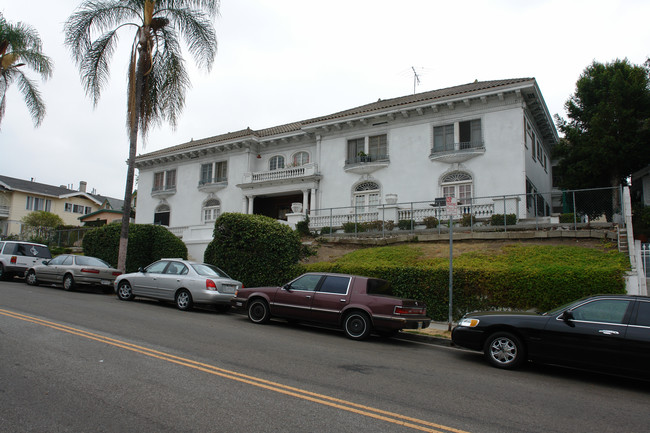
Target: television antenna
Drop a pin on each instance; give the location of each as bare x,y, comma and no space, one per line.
416,78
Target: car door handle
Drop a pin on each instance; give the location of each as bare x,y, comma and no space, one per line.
308,297
343,300
608,332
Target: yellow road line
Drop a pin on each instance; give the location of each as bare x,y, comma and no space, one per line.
345,405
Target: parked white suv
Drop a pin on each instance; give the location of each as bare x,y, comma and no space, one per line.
16,257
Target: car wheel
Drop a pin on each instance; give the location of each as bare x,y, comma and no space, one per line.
30,278
124,291
357,325
258,311
184,300
504,350
68,282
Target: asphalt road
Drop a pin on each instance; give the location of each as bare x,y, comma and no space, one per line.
86,362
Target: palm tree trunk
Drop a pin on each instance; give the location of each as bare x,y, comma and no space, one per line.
130,173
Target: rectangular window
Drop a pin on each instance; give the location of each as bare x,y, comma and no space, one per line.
158,180
443,138
378,147
449,191
545,167
221,171
87,210
533,145
78,209
469,134
206,173
355,147
30,203
170,179
464,191
539,151
67,207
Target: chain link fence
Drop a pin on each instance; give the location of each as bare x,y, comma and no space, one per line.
572,209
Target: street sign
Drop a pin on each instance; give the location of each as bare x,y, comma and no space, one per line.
451,206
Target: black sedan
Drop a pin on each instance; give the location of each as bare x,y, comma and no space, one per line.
606,332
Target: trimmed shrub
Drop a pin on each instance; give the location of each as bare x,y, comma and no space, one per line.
405,224
326,230
302,227
147,243
497,219
351,227
431,222
468,220
254,249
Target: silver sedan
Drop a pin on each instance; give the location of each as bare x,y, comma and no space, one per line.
181,281
72,271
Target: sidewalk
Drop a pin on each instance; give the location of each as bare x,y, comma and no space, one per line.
436,333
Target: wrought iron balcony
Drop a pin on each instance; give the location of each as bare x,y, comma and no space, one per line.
214,184
457,152
366,163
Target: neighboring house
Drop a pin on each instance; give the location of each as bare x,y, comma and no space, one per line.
640,189
19,197
473,140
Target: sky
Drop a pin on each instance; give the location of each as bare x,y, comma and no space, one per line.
283,61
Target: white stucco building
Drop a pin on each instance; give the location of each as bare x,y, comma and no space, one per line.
474,140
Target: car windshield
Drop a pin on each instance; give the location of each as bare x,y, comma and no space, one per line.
379,287
91,261
559,309
209,270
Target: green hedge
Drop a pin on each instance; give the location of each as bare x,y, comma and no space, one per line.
255,249
498,220
147,243
520,278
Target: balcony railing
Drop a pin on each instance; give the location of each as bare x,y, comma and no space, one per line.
214,184
281,174
4,211
457,152
366,164
165,190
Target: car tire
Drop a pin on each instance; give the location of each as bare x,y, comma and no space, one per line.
258,311
184,300
68,282
124,291
30,278
357,325
504,350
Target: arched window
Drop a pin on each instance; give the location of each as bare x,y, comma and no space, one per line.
366,196
300,158
457,184
276,162
211,210
161,216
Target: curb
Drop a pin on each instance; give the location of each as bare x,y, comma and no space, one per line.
421,338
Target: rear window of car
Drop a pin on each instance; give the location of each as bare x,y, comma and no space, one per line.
91,261
379,287
33,250
209,270
643,315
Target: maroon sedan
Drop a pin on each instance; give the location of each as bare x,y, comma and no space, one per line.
357,304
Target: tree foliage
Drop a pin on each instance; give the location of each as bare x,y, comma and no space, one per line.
254,249
41,223
20,46
606,136
157,79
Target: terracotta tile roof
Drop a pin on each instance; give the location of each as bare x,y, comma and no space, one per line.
380,105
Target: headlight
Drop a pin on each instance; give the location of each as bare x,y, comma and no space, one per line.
469,323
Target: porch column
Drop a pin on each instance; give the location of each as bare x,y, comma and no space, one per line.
305,200
313,204
251,199
244,204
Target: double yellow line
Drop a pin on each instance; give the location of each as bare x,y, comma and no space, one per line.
325,400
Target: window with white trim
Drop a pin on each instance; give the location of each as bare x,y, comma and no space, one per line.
457,136
276,162
214,172
366,197
300,158
164,180
211,210
366,149
161,215
457,184
37,203
67,207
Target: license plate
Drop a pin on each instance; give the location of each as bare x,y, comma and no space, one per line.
228,289
106,282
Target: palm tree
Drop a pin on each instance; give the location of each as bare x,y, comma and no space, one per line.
21,46
157,79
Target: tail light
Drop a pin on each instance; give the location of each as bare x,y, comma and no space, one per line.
117,274
410,310
13,260
90,271
210,285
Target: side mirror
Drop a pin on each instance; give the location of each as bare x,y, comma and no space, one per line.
567,315
287,287
46,262
141,270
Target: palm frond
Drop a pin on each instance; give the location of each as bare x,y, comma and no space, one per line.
32,97
94,68
198,33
